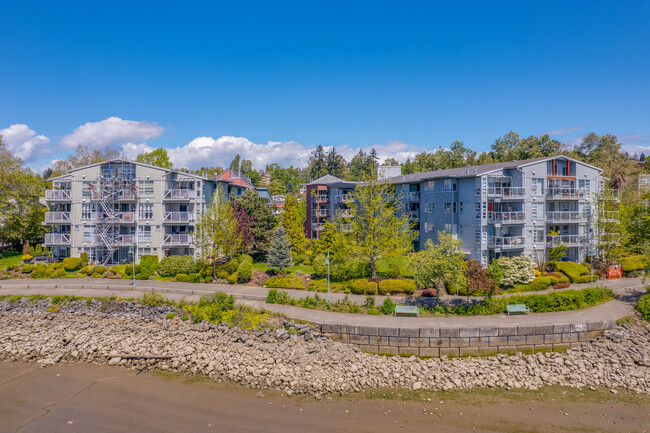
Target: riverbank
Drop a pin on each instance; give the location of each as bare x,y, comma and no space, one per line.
297,361
82,398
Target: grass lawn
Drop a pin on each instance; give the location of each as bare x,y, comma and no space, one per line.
10,258
305,269
403,261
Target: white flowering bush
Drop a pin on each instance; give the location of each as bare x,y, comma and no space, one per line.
516,270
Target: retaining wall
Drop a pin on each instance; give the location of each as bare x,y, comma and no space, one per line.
456,342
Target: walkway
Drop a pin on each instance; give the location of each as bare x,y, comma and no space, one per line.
628,290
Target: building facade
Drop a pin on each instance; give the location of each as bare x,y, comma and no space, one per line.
117,211
327,197
508,209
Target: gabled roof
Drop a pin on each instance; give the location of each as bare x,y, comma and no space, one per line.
166,170
324,180
477,170
237,179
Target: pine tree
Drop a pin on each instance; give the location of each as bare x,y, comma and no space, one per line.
279,256
261,219
317,163
335,163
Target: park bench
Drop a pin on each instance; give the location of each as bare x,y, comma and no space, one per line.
407,310
517,309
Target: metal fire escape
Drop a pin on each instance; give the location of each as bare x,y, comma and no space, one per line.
116,183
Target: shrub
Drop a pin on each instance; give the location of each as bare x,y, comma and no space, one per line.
388,307
245,270
372,288
183,278
208,279
643,307
358,287
110,274
59,273
27,257
42,271
564,280
232,266
516,270
101,269
429,293
233,278
574,271
562,285
194,277
321,286
144,275
96,275
393,270
245,258
320,268
359,269
538,273
387,287
72,263
84,259
26,269
149,263
284,282
173,265
632,263
86,270
479,280
152,299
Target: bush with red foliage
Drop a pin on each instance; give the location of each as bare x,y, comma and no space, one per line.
479,280
561,285
429,293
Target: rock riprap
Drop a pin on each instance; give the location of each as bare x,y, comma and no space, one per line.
296,358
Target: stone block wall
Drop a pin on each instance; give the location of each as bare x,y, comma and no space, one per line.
466,341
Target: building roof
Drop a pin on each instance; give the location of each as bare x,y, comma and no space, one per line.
476,170
68,172
237,179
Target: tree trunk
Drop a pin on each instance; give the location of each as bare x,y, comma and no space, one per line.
214,269
373,268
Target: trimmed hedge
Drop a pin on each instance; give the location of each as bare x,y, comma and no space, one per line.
633,263
193,278
183,278
289,282
245,269
389,287
232,279
575,271
72,263
173,265
26,269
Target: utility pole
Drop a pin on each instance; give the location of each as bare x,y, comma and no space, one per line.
328,279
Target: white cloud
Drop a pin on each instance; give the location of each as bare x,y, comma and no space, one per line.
565,130
131,150
110,132
24,142
207,151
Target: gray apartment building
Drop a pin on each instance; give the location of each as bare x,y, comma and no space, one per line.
117,209
508,209
327,197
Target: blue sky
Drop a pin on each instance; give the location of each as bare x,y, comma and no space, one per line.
271,80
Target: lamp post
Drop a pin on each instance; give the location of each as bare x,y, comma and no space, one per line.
133,264
327,261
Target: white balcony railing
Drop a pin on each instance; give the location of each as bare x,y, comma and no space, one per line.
567,240
58,194
608,215
321,212
413,196
567,193
516,217
125,240
506,191
567,216
57,217
505,242
178,217
316,227
344,198
413,214
57,239
179,239
610,194
321,198
124,217
179,194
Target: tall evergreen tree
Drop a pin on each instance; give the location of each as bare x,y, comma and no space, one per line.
357,165
317,163
279,256
235,164
335,163
292,222
261,221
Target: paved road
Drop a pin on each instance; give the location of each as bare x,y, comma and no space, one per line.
255,296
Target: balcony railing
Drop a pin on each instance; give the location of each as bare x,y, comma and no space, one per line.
180,239
117,240
413,196
321,212
506,191
123,217
178,217
179,194
413,214
321,198
567,193
505,242
608,215
516,217
344,198
567,240
57,239
57,217
125,240
567,216
344,213
58,194
610,194
316,227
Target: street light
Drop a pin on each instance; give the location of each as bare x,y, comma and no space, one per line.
327,261
133,264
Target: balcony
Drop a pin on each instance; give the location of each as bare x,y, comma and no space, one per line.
506,242
57,217
567,193
413,214
321,212
117,240
126,240
321,198
506,192
120,217
413,196
567,217
568,240
57,239
178,217
610,194
317,227
58,194
128,195
608,215
180,239
344,198
179,194
344,213
517,217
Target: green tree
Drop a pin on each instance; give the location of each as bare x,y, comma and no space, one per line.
636,222
293,224
336,164
558,252
157,157
261,221
216,231
373,228
279,256
357,165
317,163
234,165
83,156
440,265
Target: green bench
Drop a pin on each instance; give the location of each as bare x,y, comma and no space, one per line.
407,310
517,309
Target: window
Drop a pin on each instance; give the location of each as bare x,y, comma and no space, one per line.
477,209
448,183
86,188
537,186
460,207
145,211
477,235
447,208
146,188
539,235
477,186
429,208
144,233
537,210
87,210
89,233
448,228
429,227
431,184
460,229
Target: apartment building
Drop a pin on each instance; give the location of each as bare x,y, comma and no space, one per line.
508,209
119,210
327,197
